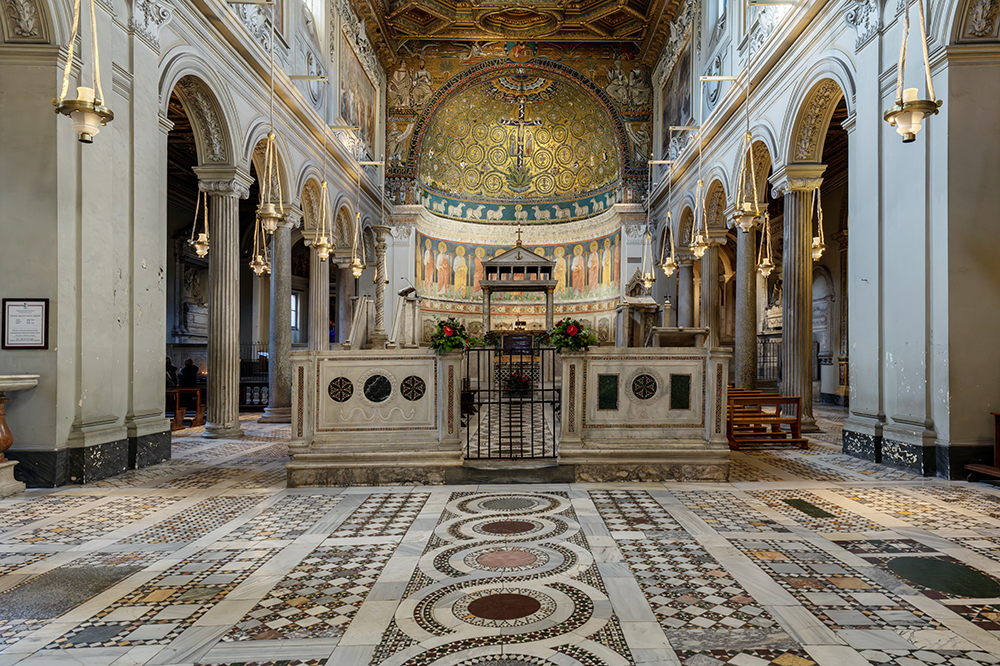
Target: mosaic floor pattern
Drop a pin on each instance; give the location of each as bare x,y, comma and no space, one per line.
805,558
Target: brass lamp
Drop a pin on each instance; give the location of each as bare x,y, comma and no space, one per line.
908,113
87,111
765,266
200,243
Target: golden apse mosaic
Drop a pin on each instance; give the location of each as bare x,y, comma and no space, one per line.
518,131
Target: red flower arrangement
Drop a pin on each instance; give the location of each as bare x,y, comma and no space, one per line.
571,335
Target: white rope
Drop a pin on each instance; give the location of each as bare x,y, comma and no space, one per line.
927,58
902,54
97,70
69,55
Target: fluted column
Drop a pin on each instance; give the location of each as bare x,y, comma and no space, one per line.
711,315
745,352
797,277
223,415
379,337
279,344
685,291
319,300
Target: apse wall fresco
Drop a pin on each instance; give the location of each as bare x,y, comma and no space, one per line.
516,131
584,271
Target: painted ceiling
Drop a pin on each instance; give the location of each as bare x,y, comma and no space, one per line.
397,24
528,136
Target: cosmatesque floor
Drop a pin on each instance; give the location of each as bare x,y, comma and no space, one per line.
806,557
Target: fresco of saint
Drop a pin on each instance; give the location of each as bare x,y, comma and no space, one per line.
477,274
428,266
461,271
443,268
593,268
578,270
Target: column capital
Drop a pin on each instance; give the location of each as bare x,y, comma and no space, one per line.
717,236
224,181
685,259
796,178
292,216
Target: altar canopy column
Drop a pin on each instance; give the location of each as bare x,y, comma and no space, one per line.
379,337
486,310
319,301
279,346
345,303
797,277
225,190
745,353
548,309
685,291
711,315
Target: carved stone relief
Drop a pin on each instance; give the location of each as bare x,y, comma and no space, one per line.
311,210
981,19
25,20
812,128
257,21
354,28
865,16
200,106
675,42
148,16
715,206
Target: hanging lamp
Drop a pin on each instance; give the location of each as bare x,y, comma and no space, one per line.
648,278
908,113
748,211
764,253
323,244
667,262
200,242
818,246
356,265
271,209
87,111
700,242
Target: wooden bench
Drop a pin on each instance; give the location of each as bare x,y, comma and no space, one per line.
978,470
751,422
180,410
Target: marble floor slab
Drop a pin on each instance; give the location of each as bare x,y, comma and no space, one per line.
805,557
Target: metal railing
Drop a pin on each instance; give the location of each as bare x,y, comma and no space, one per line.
769,360
510,403
253,361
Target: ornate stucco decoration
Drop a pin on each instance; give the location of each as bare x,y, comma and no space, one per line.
235,187
795,184
767,21
813,124
148,17
981,18
715,206
26,22
311,205
199,104
257,21
354,28
865,16
678,35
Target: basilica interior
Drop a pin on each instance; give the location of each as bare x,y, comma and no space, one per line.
590,333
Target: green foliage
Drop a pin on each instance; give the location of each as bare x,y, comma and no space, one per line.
571,335
450,335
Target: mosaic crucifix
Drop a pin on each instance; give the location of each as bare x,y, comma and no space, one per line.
521,141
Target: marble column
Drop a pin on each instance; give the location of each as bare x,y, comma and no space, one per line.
279,345
222,418
685,291
711,303
797,278
548,309
345,303
486,310
319,300
745,352
379,336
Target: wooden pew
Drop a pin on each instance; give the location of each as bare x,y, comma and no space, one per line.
751,422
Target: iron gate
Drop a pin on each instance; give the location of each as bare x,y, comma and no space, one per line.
510,403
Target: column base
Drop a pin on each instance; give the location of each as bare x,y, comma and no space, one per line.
8,485
213,431
379,339
809,424
276,415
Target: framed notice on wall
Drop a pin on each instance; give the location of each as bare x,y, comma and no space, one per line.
25,323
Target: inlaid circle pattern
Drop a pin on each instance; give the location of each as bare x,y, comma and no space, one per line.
413,388
510,608
509,527
378,388
341,389
510,504
507,559
644,387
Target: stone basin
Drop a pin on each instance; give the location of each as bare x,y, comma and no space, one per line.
18,382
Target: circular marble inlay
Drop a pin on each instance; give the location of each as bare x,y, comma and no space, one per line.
378,388
341,389
509,504
505,559
504,606
943,576
644,387
503,661
413,388
508,608
508,527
